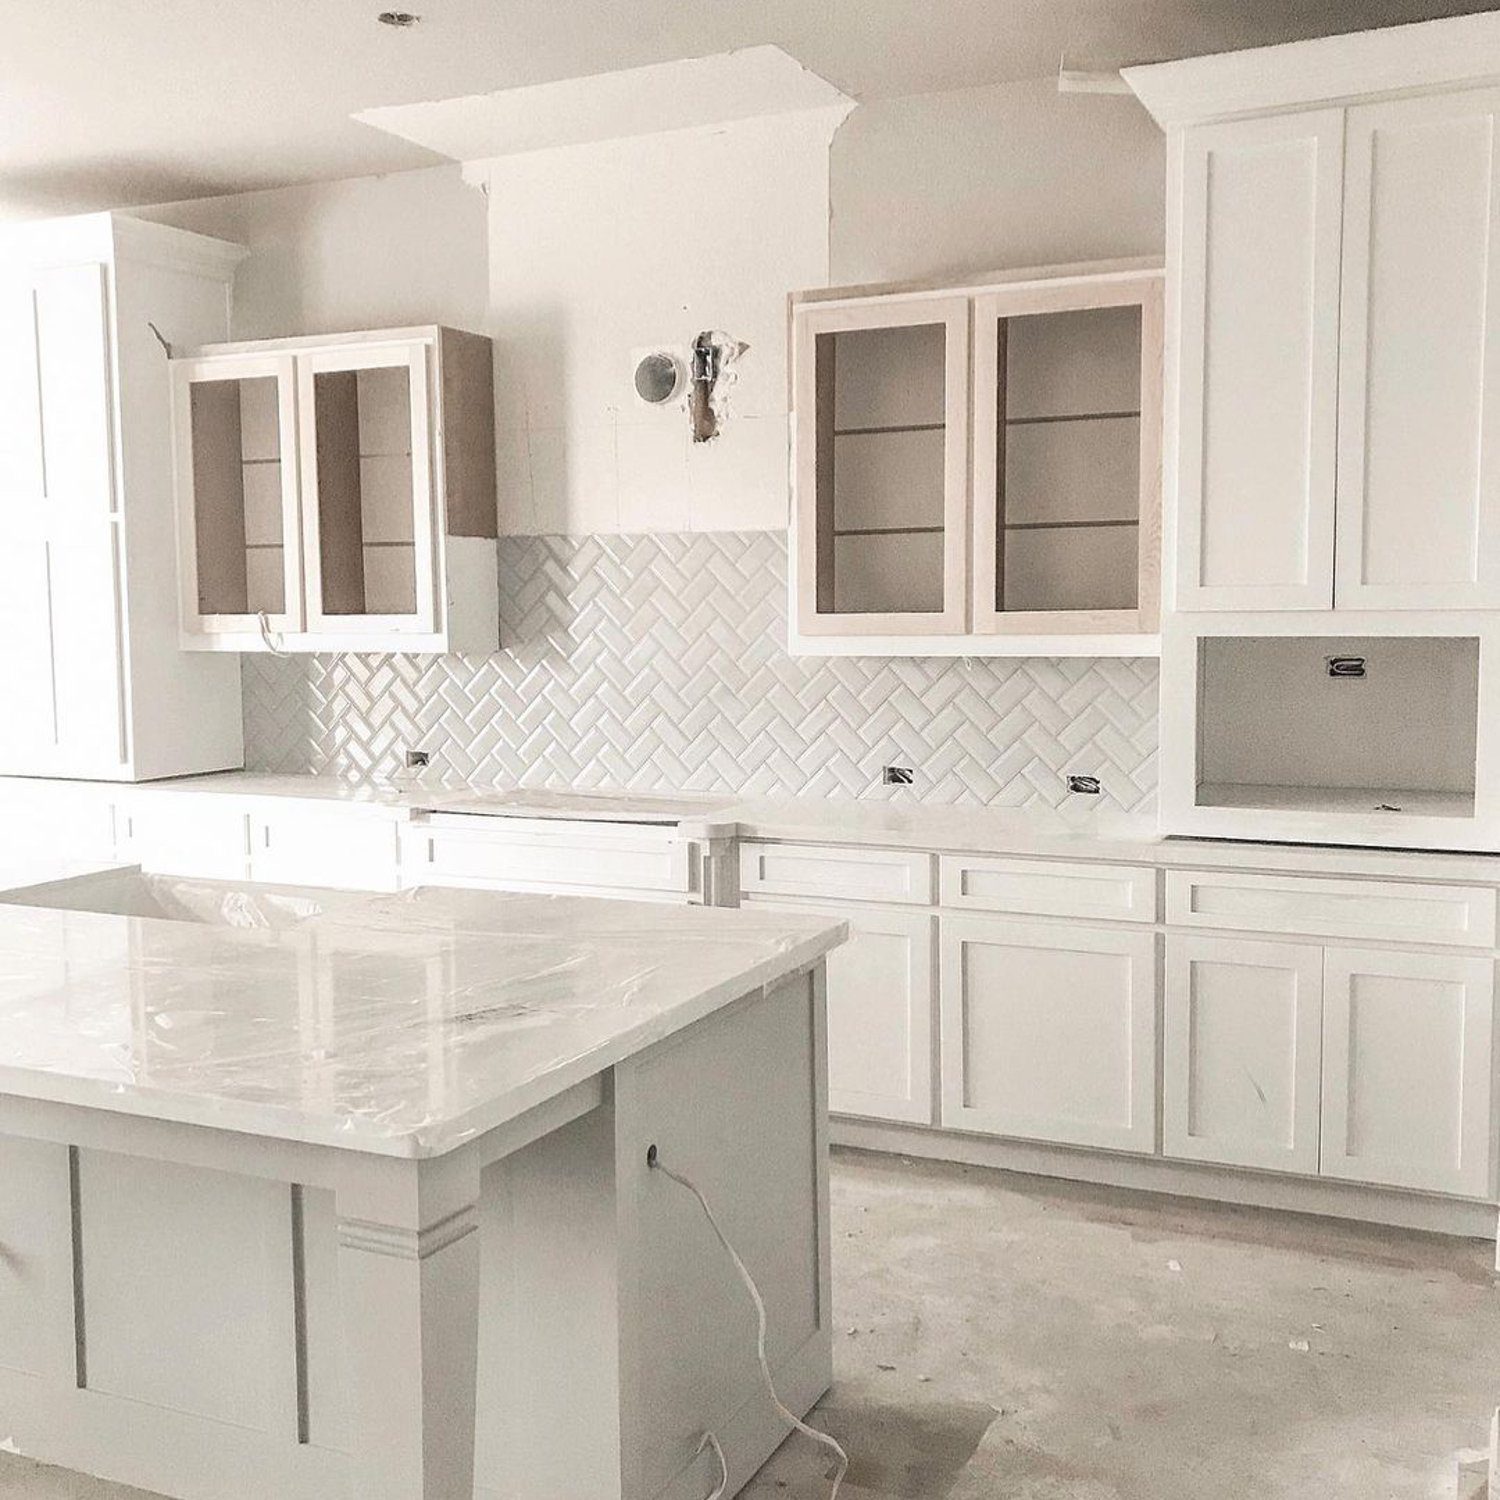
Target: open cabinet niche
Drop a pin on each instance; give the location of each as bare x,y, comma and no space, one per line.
1004,504
1281,733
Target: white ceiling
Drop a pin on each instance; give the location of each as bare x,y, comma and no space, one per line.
117,102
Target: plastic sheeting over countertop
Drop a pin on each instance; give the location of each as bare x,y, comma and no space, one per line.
402,1026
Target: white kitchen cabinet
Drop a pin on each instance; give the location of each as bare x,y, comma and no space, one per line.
1408,1069
352,847
96,684
1242,1040
1007,504
1049,1032
880,1012
553,855
1419,413
881,528
1256,219
338,494
1332,240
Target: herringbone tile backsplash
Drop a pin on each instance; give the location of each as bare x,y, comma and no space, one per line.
659,664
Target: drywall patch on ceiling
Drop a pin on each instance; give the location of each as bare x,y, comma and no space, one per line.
682,95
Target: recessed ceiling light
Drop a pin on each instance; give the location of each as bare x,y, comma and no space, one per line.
397,18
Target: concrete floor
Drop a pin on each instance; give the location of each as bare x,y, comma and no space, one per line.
1003,1338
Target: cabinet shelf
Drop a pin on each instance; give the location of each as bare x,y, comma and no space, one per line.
1079,416
1064,525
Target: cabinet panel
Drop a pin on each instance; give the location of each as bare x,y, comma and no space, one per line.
554,857
87,656
1034,887
302,844
1049,1033
881,533
880,1013
830,873
1419,421
1319,907
1257,383
1408,1063
72,367
1242,1037
36,1289
369,512
239,528
191,834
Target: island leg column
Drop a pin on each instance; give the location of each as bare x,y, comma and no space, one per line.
408,1258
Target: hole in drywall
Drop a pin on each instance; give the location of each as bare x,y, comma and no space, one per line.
715,355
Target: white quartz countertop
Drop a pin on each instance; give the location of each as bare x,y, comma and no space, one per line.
401,1026
1019,831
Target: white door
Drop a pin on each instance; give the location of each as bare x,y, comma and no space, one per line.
369,514
880,1013
881,507
1258,346
239,532
1049,1032
1419,417
1407,1069
1242,1039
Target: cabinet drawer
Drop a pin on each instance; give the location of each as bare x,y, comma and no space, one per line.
540,855
319,845
1460,915
194,834
1033,887
836,874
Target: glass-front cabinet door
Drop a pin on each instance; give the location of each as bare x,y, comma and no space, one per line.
368,518
1067,459
235,425
881,398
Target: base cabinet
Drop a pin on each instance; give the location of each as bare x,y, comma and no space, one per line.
880,1007
1408,1069
1049,1032
1242,1038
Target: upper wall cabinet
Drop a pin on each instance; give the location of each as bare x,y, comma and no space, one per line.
978,470
96,685
338,494
1333,402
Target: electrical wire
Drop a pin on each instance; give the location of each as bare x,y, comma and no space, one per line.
264,621
788,1416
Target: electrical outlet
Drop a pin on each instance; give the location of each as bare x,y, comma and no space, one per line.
416,759
1090,786
897,775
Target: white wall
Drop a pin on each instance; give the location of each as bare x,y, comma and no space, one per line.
585,254
954,184
372,252
599,250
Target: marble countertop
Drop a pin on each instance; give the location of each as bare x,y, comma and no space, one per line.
401,1025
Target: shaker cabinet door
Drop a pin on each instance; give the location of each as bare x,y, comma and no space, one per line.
1241,1049
1049,1032
1408,1069
1419,405
1257,384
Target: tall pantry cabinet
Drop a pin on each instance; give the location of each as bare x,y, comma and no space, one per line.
94,683
1331,495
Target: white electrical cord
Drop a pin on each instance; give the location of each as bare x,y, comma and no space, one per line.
709,1440
265,634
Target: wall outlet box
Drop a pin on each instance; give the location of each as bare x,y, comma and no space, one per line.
897,775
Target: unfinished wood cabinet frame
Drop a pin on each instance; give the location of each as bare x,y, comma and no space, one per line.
413,356
236,367
1141,289
813,404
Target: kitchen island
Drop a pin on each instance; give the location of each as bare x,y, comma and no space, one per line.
356,1201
